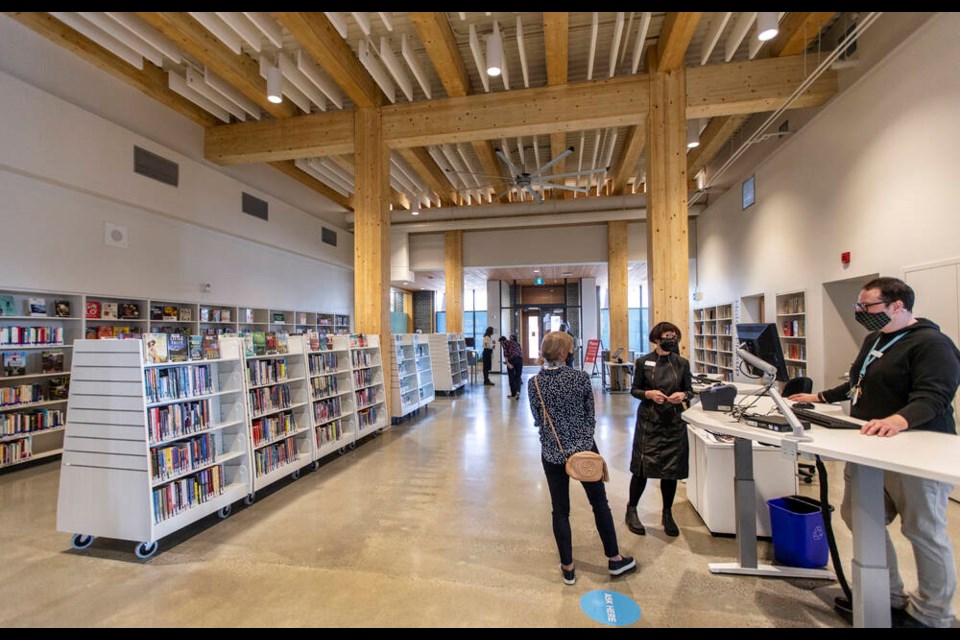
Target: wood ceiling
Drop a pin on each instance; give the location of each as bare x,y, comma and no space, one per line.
569,79
476,277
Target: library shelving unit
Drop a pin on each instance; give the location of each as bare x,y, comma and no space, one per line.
281,321
276,389
369,398
792,327
331,393
36,356
325,323
150,448
113,317
405,397
341,324
448,374
217,319
305,321
250,319
167,317
714,340
421,346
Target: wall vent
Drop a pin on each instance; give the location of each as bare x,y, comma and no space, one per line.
254,206
329,236
157,167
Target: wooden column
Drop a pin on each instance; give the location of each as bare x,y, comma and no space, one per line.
667,246
408,309
371,233
453,276
617,281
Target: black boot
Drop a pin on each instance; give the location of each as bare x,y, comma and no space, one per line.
633,521
669,526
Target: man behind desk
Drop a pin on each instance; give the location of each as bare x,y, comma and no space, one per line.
905,377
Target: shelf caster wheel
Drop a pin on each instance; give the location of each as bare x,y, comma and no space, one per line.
145,549
81,541
224,511
249,499
315,465
352,445
342,450
295,474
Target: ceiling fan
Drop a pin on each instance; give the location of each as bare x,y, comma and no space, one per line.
526,181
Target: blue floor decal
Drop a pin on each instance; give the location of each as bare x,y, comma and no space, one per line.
610,607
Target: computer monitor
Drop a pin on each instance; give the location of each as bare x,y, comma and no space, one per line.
470,342
761,340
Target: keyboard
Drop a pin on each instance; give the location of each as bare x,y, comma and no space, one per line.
825,420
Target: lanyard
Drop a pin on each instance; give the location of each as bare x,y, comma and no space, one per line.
874,353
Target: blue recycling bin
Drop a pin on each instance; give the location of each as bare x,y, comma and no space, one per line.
799,535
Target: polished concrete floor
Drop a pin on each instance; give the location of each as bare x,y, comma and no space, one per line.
442,521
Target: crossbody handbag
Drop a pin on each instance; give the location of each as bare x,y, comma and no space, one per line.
585,466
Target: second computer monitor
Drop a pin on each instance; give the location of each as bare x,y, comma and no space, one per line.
761,340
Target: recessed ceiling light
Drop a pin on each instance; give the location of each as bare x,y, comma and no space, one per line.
536,270
414,213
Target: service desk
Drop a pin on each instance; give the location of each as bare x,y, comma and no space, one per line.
919,453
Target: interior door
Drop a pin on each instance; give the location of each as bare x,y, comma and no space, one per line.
530,340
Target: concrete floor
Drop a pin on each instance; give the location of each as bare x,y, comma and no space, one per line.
414,528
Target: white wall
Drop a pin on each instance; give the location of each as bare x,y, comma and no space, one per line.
873,174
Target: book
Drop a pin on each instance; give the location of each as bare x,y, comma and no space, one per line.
58,388
314,339
282,342
104,331
302,317
211,347
170,312
248,349
248,315
7,307
62,308
91,333
215,315
109,310
278,316
15,363
131,311
225,315
122,332
177,348
204,314
196,347
156,312
155,345
51,361
271,342
259,343
37,307
186,314
93,309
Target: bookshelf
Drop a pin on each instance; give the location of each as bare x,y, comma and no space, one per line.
369,399
281,321
714,339
341,324
217,319
150,448
449,375
331,393
169,317
304,322
276,390
113,317
405,398
421,347
35,363
792,327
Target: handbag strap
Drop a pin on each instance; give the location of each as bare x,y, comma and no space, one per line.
543,404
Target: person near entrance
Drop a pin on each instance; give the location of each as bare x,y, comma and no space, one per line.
513,357
663,383
561,400
488,345
563,327
904,379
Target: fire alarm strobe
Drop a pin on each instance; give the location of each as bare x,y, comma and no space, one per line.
845,257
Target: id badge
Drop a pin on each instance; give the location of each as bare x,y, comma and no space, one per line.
854,395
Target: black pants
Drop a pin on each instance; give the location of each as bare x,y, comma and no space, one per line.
559,483
487,364
515,374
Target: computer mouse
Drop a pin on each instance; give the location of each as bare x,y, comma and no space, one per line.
803,405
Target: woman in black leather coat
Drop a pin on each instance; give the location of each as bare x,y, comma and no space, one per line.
660,448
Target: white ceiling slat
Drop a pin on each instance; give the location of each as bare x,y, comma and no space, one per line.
387,19
737,33
322,173
593,45
469,167
220,29
641,40
454,162
338,21
290,71
626,38
615,45
296,96
337,170
319,78
713,35
196,82
99,36
504,67
523,160
536,151
393,65
267,25
523,54
178,85
463,15
478,58
397,177
244,28
406,170
437,156
376,71
362,21
406,50
148,34
115,30
593,162
579,162
227,90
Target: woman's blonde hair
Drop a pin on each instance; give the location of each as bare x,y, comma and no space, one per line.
556,346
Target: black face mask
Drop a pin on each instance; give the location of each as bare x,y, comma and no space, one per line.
670,345
872,321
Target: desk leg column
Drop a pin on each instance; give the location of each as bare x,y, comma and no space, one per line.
870,576
745,503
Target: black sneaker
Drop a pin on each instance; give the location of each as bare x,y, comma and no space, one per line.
621,566
569,577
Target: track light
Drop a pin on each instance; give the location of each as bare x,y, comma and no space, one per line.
494,54
693,134
767,27
274,84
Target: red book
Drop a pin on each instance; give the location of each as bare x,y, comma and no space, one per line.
93,309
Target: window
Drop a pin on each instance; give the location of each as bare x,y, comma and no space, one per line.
749,192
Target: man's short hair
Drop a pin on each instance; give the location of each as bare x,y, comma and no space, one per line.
891,290
502,339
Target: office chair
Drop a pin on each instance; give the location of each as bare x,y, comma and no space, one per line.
805,472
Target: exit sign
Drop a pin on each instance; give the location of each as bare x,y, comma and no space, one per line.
538,281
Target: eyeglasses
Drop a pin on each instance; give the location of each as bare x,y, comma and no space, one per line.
863,306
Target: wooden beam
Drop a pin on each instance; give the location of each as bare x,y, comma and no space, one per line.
321,40
453,279
714,137
151,80
675,36
617,274
237,69
797,30
437,37
421,162
629,157
556,31
287,167
331,134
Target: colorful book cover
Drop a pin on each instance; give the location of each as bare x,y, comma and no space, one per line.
156,312
259,343
248,348
37,307
62,308
177,348
204,314
302,317
186,314
109,310
215,315
278,316
104,332
155,345
271,342
282,343
51,361
93,309
225,315
248,315
58,388
211,347
131,311
7,307
314,338
170,312
196,347
15,363
121,332
91,333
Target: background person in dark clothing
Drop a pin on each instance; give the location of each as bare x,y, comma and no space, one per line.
660,447
513,357
905,377
488,345
563,327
